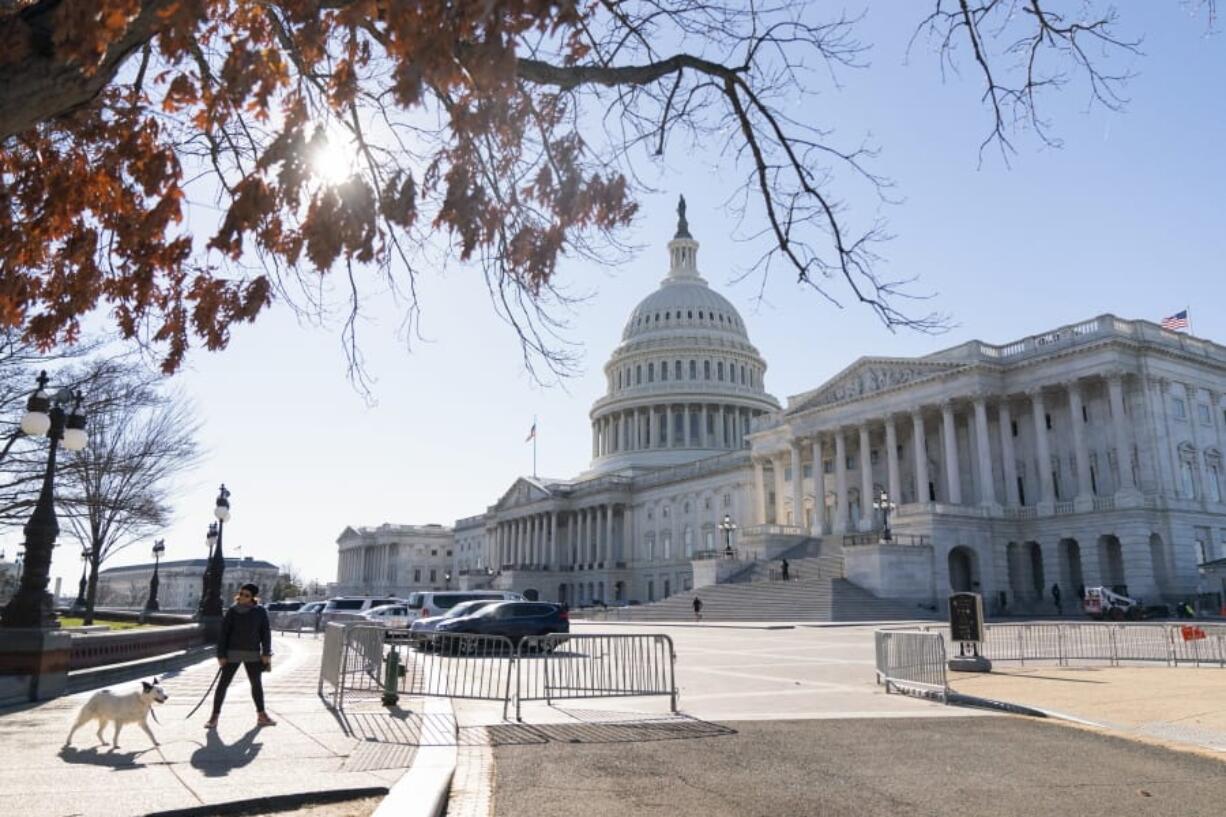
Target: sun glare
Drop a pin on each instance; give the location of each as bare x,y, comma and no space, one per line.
332,160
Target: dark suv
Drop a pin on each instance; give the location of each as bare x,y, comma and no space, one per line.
513,619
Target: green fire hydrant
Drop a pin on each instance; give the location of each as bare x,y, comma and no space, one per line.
391,679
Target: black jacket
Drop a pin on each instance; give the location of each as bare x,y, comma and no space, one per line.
245,631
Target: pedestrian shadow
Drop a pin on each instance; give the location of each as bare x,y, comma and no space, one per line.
217,759
103,755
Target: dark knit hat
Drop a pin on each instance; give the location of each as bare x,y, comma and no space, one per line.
253,589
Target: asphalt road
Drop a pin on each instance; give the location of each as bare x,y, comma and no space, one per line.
949,766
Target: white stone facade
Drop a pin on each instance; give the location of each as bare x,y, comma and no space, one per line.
394,560
1090,454
669,459
179,582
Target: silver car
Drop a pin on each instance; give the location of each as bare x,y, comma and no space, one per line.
465,608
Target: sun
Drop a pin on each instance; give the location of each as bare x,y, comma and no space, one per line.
332,159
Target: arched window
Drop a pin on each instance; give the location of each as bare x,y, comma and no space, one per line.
719,371
677,370
700,314
638,374
742,374
1187,481
619,380
651,372
1213,472
664,370
706,370
693,370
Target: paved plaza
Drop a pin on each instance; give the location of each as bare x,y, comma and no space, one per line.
777,719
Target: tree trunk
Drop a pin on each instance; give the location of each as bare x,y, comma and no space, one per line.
91,589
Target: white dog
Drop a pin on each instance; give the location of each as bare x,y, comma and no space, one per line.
134,707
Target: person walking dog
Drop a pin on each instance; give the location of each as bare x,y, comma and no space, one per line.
246,639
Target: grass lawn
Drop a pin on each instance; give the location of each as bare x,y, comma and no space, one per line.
67,621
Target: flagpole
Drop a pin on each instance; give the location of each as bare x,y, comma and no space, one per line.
1188,309
534,447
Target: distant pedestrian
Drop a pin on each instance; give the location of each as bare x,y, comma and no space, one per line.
246,638
1055,596
697,609
785,570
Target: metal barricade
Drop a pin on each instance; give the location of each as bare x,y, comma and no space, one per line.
454,665
361,661
912,662
330,661
564,666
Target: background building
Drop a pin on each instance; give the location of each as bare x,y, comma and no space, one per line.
180,582
394,560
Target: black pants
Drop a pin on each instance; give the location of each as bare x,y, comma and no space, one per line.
254,677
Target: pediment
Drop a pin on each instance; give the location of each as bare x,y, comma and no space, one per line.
867,376
523,492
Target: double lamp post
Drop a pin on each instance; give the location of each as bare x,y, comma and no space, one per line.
58,417
211,606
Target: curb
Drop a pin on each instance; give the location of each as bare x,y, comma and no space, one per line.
974,702
279,802
424,789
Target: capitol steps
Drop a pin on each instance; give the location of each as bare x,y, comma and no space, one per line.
817,599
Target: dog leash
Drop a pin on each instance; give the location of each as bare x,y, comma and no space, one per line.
205,696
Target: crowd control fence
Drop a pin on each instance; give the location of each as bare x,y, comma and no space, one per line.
365,661
1169,643
912,661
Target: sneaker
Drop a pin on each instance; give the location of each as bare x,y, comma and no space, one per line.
264,720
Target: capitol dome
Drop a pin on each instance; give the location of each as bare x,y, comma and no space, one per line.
685,382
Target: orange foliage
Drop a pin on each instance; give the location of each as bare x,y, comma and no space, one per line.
92,201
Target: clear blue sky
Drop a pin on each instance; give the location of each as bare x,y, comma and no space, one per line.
1125,218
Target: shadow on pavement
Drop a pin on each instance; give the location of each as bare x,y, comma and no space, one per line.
651,728
396,725
100,756
216,759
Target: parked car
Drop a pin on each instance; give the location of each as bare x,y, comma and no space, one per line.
513,619
351,608
390,615
428,603
283,606
464,608
308,615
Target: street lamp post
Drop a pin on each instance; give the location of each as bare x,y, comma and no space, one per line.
212,608
78,606
210,539
447,580
884,504
159,547
45,415
727,526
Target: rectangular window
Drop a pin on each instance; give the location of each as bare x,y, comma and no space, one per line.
1180,409
872,456
677,370
827,466
651,372
787,474
851,463
417,575
693,370
807,471
433,575
663,371
727,500
1205,416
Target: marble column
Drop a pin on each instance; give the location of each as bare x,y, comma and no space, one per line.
866,480
1047,492
668,426
703,440
893,478
953,473
987,481
759,482
921,456
607,553
1081,452
798,487
553,540
819,487
840,481
1008,457
777,465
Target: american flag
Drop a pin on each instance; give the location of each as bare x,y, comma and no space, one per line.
1176,322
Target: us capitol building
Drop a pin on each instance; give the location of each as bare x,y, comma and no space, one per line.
1089,454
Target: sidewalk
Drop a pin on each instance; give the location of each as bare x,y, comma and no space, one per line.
1176,707
307,752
